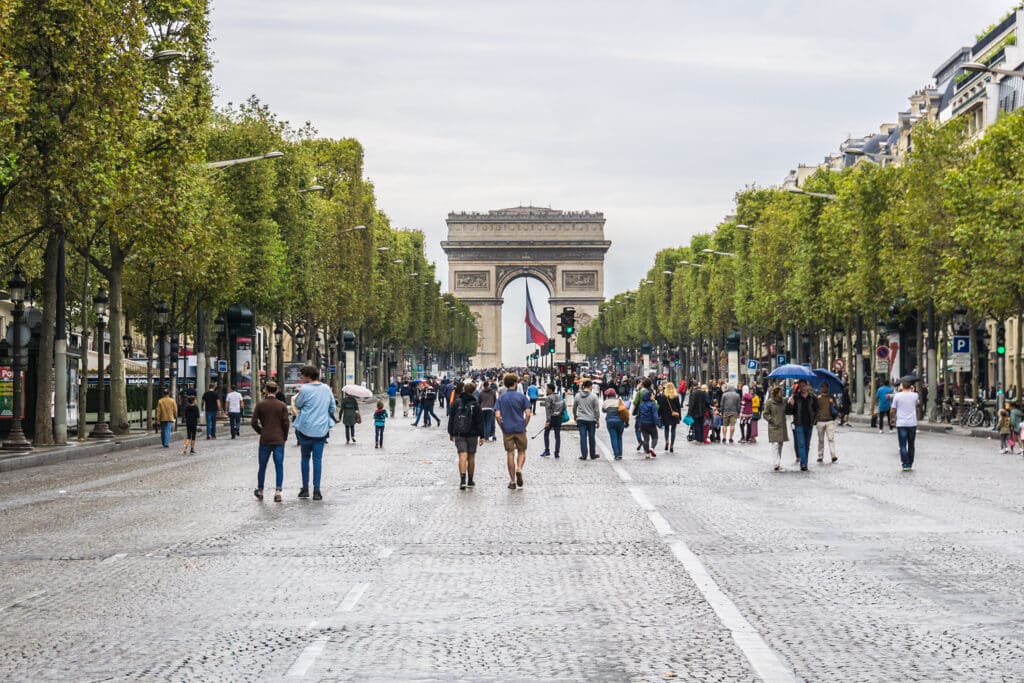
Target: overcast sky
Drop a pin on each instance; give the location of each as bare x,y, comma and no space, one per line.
654,112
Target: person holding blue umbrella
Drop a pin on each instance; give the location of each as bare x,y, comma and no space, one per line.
803,406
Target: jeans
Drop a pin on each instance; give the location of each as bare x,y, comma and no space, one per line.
555,427
378,435
670,434
650,435
350,433
236,423
265,452
211,423
588,438
428,412
488,422
419,411
803,443
906,436
311,447
615,429
165,433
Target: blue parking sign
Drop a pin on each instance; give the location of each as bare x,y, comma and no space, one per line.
780,359
961,344
752,364
222,366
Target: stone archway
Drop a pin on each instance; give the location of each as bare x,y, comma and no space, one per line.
486,251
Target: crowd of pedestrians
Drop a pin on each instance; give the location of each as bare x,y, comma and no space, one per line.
477,407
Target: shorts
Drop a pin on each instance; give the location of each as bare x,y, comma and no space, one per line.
514,442
466,444
729,419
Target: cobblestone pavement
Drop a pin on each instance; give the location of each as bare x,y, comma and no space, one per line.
699,565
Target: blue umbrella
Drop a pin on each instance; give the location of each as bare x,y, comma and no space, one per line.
792,371
835,383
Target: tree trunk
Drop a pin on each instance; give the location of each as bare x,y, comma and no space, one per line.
43,435
118,392
149,374
83,383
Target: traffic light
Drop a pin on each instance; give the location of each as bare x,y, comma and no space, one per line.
567,322
1001,339
551,345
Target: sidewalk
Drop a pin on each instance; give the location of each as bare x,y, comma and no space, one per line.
75,449
938,427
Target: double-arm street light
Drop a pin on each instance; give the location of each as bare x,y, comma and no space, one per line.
978,66
16,440
244,160
719,253
100,430
691,264
162,310
819,195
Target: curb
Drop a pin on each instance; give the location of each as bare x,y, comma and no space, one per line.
50,455
936,427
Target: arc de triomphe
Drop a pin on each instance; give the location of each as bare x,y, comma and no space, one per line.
563,249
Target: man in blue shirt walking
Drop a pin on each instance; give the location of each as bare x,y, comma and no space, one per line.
316,405
512,412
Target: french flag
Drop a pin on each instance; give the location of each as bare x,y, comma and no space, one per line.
535,333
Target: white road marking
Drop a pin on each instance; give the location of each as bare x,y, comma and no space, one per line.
308,657
352,598
765,662
23,599
114,558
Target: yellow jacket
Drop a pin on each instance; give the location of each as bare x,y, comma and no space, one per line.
166,410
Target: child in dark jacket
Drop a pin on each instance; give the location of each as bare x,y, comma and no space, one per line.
380,416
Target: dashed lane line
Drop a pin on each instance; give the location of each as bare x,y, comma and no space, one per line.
765,661
307,658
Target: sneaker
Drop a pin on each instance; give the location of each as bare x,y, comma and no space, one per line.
654,454
317,495
519,479
778,468
512,485
258,493
583,457
835,458
906,469
618,457
462,485
803,469
193,451
595,456
277,496
557,455
545,454
821,459
470,483
303,493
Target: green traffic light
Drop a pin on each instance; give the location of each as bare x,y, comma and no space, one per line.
570,330
1001,350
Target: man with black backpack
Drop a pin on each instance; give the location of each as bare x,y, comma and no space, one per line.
466,430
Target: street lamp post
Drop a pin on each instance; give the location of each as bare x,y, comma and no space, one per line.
99,304
16,440
978,66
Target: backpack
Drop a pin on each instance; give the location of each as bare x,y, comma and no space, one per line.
463,417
